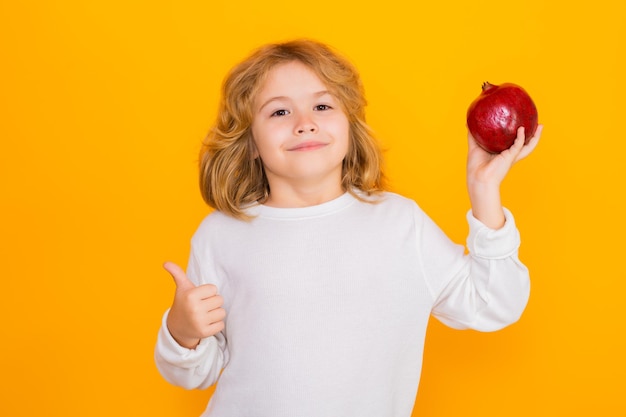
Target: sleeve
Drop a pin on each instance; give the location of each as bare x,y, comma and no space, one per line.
191,368
488,288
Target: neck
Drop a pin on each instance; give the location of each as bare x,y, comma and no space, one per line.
290,196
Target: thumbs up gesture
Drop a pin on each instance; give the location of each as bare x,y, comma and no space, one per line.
196,312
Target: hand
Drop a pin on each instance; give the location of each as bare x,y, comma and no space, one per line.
486,168
196,312
485,172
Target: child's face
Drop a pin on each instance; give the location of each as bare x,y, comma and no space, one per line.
300,131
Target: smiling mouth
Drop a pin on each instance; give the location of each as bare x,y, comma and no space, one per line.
307,146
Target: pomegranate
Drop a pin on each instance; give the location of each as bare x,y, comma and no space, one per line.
496,114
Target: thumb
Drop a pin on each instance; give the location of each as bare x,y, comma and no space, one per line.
180,277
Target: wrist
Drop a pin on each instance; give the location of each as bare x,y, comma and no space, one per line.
479,187
186,342
182,340
486,204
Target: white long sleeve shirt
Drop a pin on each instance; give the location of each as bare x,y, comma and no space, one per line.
327,306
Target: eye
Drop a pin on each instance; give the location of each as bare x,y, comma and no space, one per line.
322,107
279,113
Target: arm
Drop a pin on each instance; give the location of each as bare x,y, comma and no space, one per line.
485,173
190,368
191,347
489,289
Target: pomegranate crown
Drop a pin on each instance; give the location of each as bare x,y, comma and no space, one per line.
486,86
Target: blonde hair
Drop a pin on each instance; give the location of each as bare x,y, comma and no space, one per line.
232,177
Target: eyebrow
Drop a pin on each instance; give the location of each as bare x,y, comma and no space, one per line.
316,95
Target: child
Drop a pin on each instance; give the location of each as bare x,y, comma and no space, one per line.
308,291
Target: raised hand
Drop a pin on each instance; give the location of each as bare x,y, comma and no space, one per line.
484,167
486,171
196,312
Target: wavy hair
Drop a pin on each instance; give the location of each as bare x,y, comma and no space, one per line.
232,176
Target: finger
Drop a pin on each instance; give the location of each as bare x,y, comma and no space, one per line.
213,322
512,153
180,277
518,143
521,134
537,135
217,315
213,329
532,143
209,292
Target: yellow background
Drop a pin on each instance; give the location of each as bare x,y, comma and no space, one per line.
103,105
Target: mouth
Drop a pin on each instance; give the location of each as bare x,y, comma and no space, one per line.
307,146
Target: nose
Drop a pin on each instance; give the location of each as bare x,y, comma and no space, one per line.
306,125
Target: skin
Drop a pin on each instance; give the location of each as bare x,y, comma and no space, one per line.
302,135
486,171
196,312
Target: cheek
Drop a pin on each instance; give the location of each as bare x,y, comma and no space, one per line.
343,132
265,142
259,138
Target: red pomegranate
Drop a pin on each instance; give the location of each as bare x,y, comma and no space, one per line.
496,114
